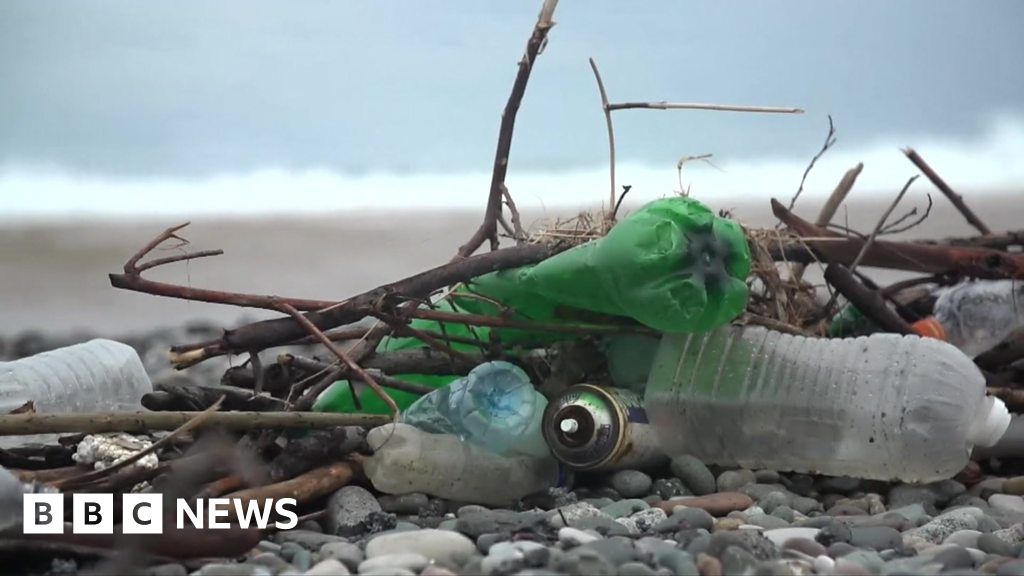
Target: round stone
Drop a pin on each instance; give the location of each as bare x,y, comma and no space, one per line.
694,474
631,483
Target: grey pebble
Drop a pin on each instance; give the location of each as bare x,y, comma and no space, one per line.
165,570
678,562
405,504
485,541
736,560
388,571
875,538
233,570
992,544
302,560
784,513
805,505
834,531
694,474
766,476
572,537
945,524
573,514
838,484
1012,568
733,480
272,561
760,547
477,523
631,483
839,549
306,539
774,500
685,518
869,559
617,550
644,520
624,508
635,569
348,554
669,488
804,546
349,509
766,521
583,562
965,538
407,560
954,557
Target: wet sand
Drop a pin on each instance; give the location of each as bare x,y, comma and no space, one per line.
53,275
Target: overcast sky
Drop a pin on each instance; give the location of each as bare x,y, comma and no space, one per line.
192,89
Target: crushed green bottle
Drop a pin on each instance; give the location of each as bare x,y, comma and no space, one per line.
672,266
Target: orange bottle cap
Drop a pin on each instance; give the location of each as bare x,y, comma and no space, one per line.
929,327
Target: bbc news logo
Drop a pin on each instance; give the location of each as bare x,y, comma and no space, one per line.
144,513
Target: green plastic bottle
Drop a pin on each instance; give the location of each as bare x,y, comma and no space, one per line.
672,266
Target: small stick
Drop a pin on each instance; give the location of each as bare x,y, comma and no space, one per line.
304,487
939,183
337,351
193,423
828,211
701,106
611,133
881,224
871,240
868,301
134,422
488,229
830,140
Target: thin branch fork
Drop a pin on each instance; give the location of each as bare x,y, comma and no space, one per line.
488,229
946,190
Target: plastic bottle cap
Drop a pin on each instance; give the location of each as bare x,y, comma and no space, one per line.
930,327
990,428
568,426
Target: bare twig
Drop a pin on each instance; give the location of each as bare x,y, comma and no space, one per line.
611,135
134,422
704,106
344,357
895,228
939,183
868,301
841,191
830,140
488,229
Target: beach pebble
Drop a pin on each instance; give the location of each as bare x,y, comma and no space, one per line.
1006,503
572,537
992,544
348,554
631,483
875,538
718,504
405,504
348,510
694,474
574,514
732,480
624,508
965,538
441,546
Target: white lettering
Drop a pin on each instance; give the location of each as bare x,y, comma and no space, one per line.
196,517
293,517
253,511
219,508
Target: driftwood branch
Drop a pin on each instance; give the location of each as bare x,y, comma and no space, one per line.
868,301
137,422
305,487
911,257
488,229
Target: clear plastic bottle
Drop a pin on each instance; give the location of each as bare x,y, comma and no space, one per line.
11,491
975,316
883,406
495,406
407,459
95,376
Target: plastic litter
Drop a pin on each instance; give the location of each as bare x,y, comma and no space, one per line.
672,265
95,376
407,459
495,407
850,321
975,316
880,407
11,491
594,428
